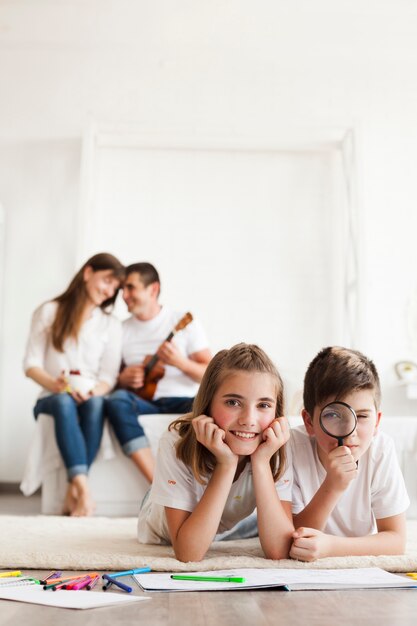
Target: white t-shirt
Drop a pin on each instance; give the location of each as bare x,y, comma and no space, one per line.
378,491
174,486
143,338
96,354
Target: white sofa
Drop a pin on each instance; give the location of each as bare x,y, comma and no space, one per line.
117,486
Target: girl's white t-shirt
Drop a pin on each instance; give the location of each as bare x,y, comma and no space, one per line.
377,492
175,486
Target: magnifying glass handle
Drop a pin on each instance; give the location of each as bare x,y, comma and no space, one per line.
340,443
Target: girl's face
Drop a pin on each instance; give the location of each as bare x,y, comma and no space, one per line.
244,406
100,285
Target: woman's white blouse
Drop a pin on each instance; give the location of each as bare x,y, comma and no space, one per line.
96,353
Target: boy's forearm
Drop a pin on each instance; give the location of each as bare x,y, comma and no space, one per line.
274,525
384,542
197,532
318,510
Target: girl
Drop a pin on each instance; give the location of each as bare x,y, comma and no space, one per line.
75,332
219,462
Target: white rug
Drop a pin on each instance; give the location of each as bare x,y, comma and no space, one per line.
102,543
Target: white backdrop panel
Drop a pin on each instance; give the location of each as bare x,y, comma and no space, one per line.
250,241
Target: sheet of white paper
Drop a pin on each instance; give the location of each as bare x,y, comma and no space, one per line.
366,577
67,599
361,576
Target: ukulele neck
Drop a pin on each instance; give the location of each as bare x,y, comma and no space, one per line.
155,357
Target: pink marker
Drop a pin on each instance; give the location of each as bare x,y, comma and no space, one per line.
93,583
73,581
81,584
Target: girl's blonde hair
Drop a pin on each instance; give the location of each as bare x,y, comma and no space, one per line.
241,357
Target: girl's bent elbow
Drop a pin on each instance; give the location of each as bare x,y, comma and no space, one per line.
276,555
188,557
401,545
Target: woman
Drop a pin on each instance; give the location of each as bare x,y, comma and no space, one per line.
75,334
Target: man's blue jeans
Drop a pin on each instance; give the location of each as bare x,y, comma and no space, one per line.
78,428
123,408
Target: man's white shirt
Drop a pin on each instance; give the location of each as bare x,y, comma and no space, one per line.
142,338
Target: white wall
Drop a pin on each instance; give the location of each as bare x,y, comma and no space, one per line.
39,188
229,67
225,227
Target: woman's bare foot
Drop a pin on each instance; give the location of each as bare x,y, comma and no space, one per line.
84,505
70,500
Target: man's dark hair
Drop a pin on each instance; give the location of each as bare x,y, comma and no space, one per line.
148,273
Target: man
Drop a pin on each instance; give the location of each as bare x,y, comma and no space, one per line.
185,359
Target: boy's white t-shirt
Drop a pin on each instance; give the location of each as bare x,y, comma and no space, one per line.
377,492
141,338
174,486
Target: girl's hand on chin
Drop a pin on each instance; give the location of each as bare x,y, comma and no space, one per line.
274,437
212,438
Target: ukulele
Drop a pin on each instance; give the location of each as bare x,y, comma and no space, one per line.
154,369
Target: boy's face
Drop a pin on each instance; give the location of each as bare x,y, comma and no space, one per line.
363,403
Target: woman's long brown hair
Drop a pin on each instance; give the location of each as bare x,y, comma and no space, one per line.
241,357
71,303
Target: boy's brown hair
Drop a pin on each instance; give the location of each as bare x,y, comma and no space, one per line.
241,357
336,372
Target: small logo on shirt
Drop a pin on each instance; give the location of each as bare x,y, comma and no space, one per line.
237,498
172,482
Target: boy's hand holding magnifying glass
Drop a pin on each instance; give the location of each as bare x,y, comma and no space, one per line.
338,420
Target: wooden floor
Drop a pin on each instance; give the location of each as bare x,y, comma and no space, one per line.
239,608
244,608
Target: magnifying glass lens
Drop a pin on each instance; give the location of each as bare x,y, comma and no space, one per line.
338,419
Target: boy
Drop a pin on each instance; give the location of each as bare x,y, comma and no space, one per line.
350,499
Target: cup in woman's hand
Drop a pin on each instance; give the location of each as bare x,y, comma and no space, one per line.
80,383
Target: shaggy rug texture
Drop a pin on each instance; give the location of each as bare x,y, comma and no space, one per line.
102,543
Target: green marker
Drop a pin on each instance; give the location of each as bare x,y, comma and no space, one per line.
214,579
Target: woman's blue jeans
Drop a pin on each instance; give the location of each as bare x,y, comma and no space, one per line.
78,428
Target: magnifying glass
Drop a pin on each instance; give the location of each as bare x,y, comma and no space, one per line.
338,420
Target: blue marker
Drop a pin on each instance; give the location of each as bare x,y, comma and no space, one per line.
113,581
107,585
130,572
